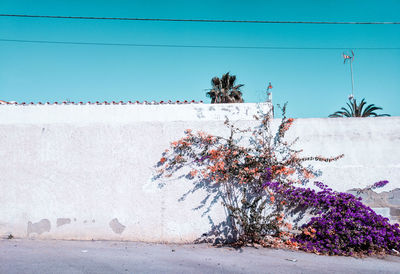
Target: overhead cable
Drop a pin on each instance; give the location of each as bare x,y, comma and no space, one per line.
194,46
200,20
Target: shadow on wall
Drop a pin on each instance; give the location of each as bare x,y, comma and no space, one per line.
220,233
224,232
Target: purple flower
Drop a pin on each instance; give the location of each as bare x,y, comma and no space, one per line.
343,224
203,158
380,184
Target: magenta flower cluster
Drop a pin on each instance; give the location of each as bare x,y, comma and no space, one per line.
343,225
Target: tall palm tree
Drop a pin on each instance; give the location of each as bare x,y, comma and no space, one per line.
224,90
355,110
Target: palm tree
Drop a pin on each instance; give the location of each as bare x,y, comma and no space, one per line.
224,90
355,110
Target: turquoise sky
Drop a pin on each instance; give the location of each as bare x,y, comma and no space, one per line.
315,83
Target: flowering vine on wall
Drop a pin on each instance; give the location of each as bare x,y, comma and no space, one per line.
260,176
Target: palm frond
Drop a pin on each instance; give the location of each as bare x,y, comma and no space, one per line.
237,87
347,113
335,115
231,81
360,108
338,114
215,81
370,111
351,109
225,80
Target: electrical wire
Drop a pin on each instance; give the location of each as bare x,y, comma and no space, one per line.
193,46
199,20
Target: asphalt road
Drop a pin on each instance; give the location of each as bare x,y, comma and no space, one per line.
36,256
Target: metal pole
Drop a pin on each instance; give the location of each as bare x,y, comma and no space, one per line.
352,81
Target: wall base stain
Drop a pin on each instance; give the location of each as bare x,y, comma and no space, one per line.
116,226
63,221
43,225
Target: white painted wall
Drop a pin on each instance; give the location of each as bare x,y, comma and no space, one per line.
371,147
83,166
126,113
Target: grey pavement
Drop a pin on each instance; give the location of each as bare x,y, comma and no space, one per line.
38,256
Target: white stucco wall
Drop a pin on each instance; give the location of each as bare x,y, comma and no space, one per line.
85,171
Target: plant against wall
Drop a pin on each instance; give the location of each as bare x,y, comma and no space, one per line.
225,90
358,110
239,170
342,224
259,182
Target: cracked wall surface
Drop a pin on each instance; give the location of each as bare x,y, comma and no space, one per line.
386,203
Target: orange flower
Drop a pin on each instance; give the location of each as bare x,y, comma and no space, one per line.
308,174
289,171
272,199
213,154
163,160
313,230
289,226
178,158
193,173
201,134
287,124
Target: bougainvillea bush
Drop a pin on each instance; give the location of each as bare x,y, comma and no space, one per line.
258,173
342,224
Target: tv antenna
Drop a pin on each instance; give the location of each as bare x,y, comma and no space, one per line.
350,59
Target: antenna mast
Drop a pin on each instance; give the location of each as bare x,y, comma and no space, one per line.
349,58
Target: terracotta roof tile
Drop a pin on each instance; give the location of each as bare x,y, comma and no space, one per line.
105,103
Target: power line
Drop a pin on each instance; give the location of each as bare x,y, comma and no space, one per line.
198,20
190,46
